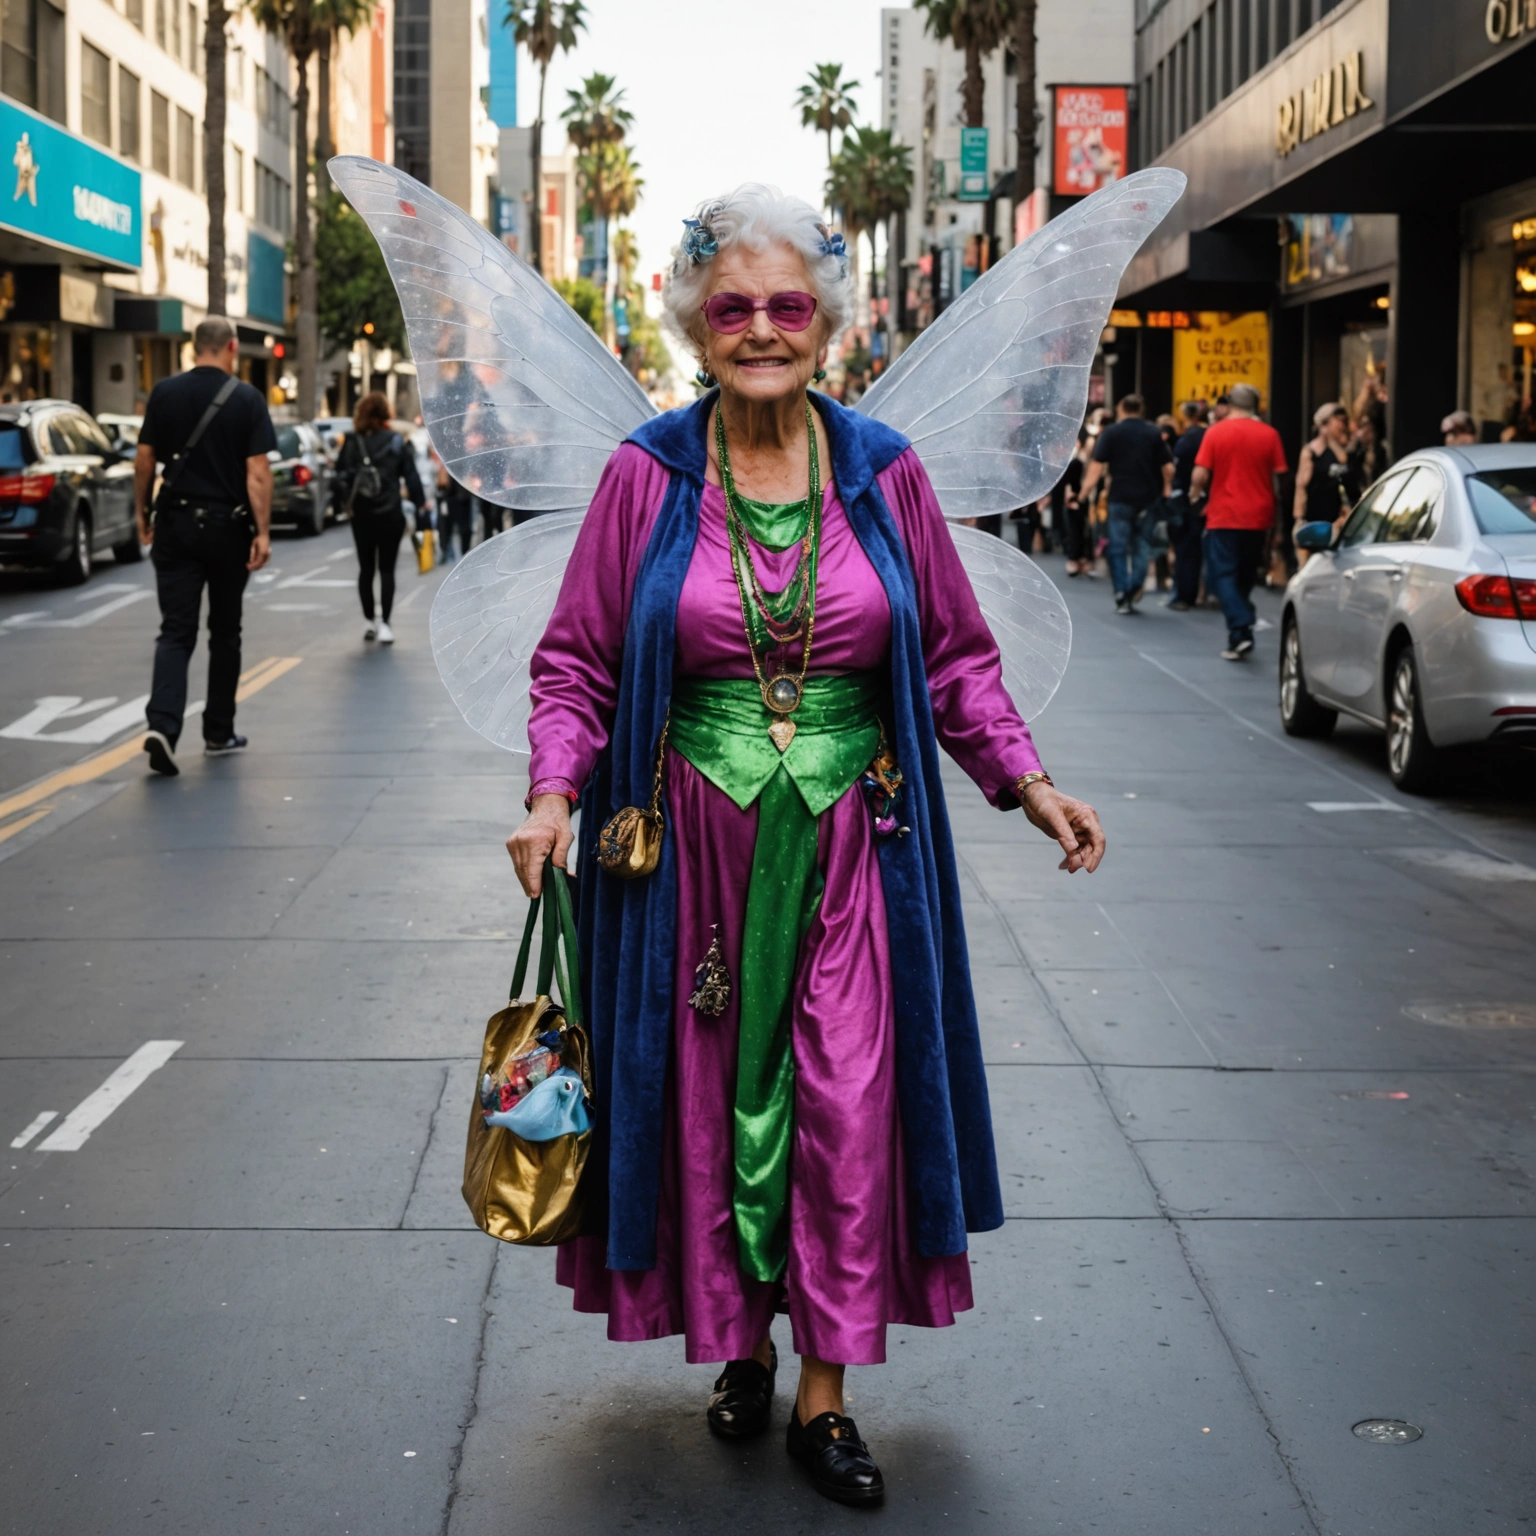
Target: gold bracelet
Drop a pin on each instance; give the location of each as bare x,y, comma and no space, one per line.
1025,780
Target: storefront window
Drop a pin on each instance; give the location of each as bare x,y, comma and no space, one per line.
1502,335
26,364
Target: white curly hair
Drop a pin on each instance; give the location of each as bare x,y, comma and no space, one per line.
756,216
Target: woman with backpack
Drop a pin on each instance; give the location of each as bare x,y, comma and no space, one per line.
372,464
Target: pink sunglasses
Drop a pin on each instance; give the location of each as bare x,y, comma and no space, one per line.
730,313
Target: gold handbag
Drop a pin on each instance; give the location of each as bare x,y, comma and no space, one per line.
530,1191
629,845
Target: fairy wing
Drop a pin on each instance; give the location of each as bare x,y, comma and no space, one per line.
489,615
1026,614
523,402
991,395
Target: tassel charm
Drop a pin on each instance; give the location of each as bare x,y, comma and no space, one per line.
711,981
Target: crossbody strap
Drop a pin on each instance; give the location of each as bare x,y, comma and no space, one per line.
179,460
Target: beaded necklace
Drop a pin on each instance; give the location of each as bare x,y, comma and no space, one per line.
774,620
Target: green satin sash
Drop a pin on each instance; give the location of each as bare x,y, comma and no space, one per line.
721,726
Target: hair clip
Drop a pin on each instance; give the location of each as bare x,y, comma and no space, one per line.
699,244
832,244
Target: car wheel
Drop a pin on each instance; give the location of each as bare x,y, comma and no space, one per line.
1300,713
76,568
317,518
1412,759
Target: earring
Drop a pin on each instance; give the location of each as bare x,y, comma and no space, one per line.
704,378
819,375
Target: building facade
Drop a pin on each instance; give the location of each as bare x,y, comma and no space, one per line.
1360,175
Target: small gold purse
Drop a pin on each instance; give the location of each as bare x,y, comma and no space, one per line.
629,846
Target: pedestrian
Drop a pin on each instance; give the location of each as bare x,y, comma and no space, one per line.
209,528
1370,450
455,515
1327,475
1190,512
1140,474
772,1173
1238,469
1458,429
374,462
1069,513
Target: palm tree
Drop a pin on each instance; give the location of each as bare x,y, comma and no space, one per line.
596,113
334,19
1023,45
216,73
826,102
977,28
611,186
869,184
544,28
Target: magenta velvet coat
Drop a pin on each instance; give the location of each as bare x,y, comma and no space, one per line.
853,1266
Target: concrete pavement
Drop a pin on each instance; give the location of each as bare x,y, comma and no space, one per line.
1261,1087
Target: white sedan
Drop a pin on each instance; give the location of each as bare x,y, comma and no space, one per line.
1418,616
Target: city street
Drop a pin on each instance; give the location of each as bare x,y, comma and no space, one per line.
1262,1089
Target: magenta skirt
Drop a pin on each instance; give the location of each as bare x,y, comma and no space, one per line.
853,1268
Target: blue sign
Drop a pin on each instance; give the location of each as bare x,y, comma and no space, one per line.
67,193
264,280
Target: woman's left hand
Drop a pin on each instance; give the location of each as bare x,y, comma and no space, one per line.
1073,823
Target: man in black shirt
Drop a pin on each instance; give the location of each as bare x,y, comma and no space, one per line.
1140,474
210,528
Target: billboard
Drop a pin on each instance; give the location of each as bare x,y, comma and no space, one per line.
1090,137
1218,350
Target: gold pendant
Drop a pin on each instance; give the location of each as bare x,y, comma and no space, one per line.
782,732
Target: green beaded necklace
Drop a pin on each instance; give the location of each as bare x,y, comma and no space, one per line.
773,620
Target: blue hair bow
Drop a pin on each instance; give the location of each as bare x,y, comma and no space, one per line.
699,243
832,243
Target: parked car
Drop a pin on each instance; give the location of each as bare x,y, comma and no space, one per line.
1418,615
301,479
122,431
66,494
332,430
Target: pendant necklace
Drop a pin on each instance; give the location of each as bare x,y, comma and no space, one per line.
765,630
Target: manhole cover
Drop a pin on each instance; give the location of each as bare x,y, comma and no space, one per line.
1388,1431
1475,1015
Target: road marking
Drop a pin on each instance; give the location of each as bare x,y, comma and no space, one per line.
306,581
299,608
37,1125
88,1114
32,725
7,833
102,763
20,621
409,598
1330,807
1471,866
268,671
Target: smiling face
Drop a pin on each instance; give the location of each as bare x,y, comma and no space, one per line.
762,363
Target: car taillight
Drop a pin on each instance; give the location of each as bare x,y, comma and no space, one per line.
1498,597
28,489
302,474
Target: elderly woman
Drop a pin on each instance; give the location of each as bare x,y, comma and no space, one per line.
766,613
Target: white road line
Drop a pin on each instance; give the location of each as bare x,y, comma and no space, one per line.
35,1127
94,1108
80,620
1328,807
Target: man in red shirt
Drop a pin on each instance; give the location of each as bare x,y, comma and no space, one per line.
1240,461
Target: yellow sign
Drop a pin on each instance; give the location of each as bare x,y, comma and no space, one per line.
1220,350
1335,94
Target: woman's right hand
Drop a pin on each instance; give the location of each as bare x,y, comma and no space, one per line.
546,833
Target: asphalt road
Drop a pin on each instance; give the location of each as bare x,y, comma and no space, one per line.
1262,1089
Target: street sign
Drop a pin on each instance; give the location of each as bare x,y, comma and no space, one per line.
973,165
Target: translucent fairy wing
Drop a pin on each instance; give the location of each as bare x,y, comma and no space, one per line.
1026,614
523,402
490,614
992,393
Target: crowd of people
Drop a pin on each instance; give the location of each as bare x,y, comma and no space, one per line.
1191,504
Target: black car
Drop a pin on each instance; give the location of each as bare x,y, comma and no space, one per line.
66,494
301,479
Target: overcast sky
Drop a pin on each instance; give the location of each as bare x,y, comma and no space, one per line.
712,86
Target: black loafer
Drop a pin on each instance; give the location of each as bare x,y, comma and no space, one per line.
742,1402
840,1466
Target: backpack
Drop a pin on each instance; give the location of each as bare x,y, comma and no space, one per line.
368,482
